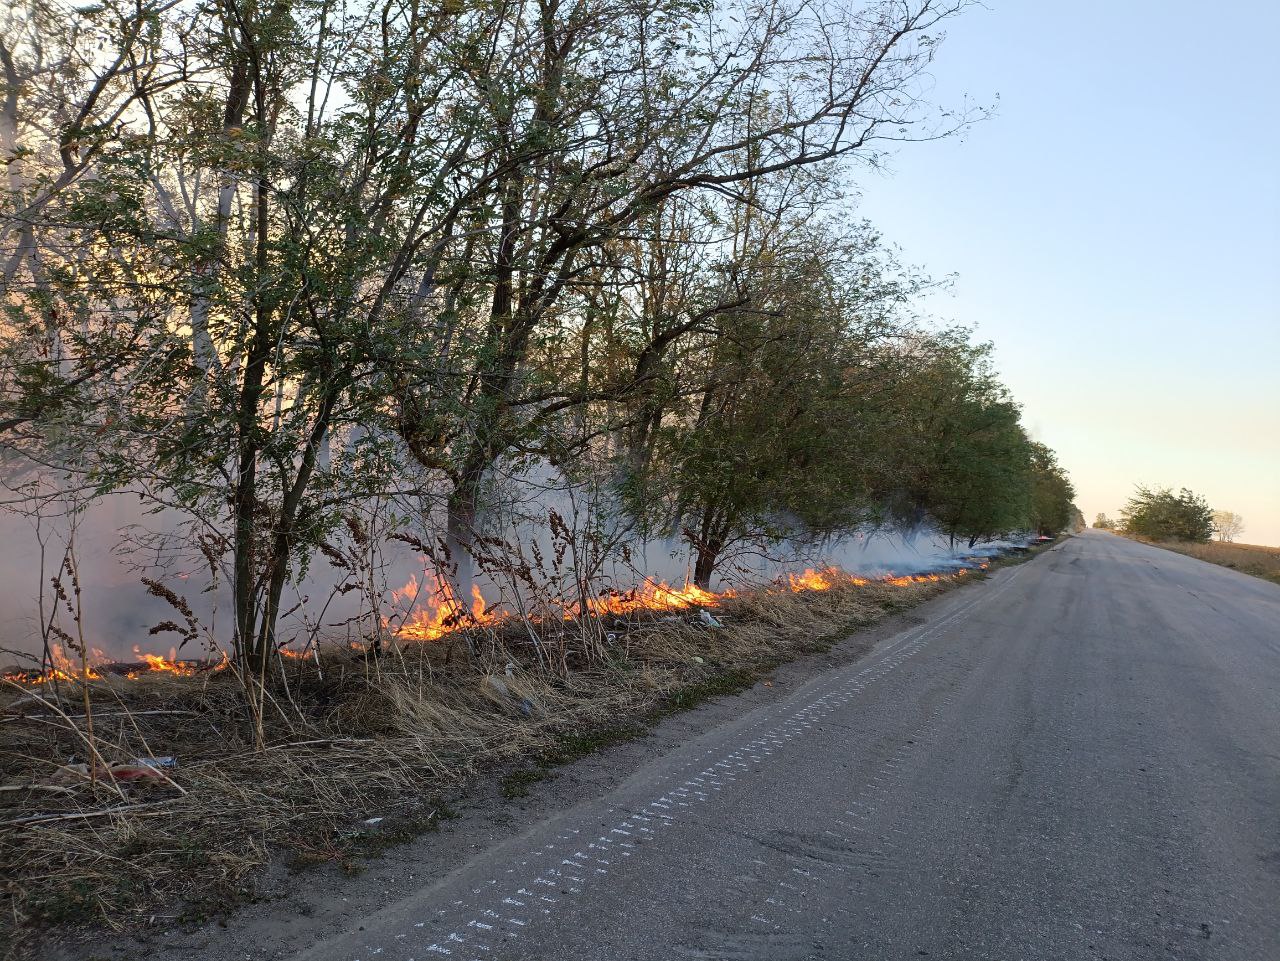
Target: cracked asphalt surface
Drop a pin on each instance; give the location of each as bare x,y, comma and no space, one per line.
1078,759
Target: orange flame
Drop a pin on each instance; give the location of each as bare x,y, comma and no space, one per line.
431,610
63,668
168,665
655,596
442,613
823,580
829,577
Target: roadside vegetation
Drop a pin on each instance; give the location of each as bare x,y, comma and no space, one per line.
118,839
304,281
523,293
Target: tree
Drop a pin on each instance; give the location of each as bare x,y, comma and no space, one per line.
772,434
1077,520
1228,525
955,450
618,110
1103,523
1162,515
204,319
1052,509
982,485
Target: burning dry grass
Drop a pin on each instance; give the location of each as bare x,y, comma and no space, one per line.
1252,559
107,832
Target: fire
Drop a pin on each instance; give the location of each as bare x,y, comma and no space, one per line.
655,596
829,577
432,609
170,664
63,668
442,613
429,609
823,580
913,579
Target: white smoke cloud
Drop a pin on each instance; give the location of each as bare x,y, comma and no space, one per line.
118,541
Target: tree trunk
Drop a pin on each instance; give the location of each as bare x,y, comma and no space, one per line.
257,356
704,565
287,525
460,528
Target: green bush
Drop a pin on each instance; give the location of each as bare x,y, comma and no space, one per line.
1163,515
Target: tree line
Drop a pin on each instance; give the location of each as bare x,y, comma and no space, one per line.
269,262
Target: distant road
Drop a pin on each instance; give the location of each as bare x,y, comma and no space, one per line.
1079,759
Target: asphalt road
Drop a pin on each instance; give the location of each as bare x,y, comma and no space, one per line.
1077,759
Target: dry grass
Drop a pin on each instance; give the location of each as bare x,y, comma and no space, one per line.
1252,559
352,738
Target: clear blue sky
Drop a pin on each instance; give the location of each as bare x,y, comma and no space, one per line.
1116,229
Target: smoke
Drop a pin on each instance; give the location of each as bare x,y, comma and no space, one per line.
546,537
